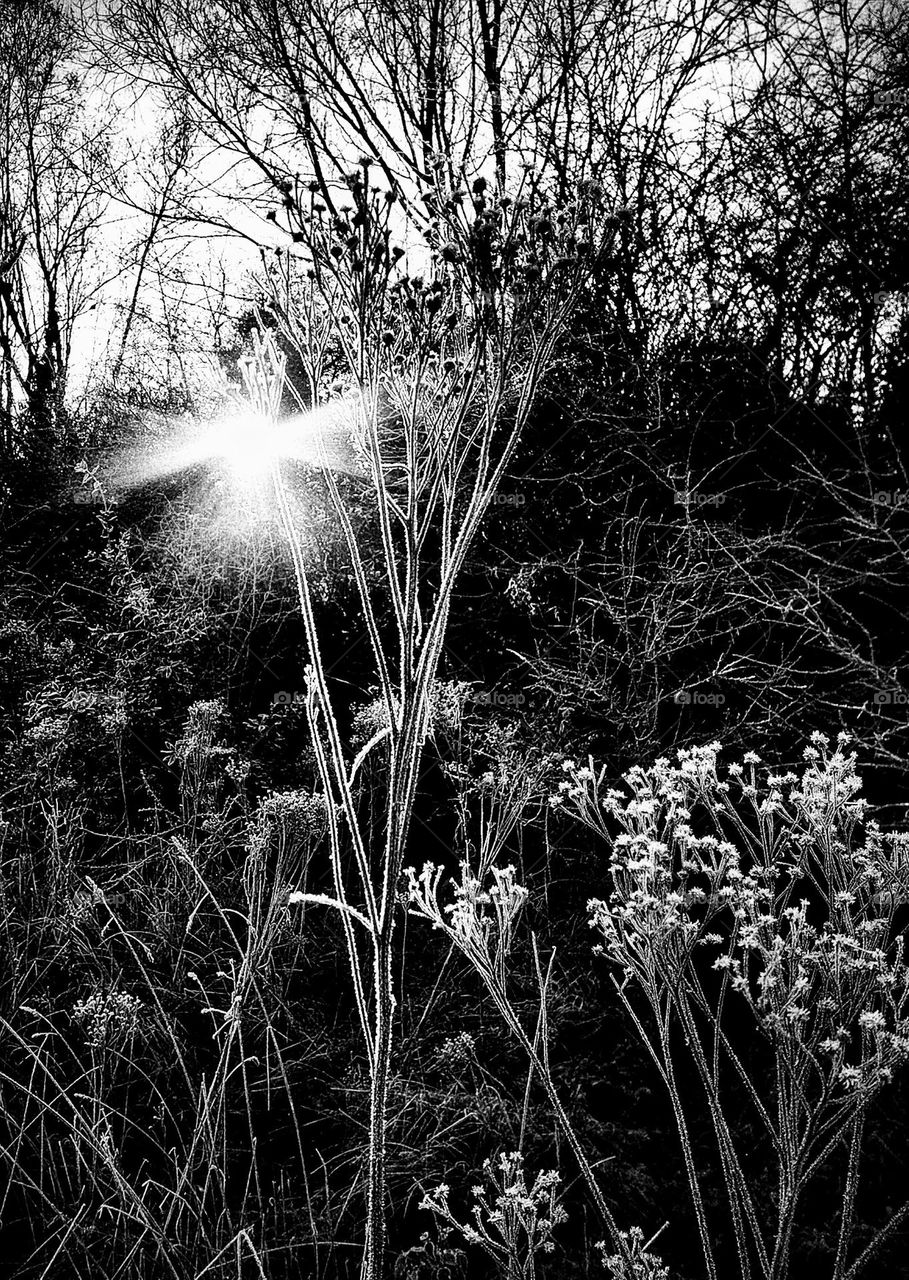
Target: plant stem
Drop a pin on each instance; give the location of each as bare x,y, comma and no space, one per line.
376,1231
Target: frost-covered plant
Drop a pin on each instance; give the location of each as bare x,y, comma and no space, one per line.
288,816
196,752
771,892
638,1263
447,704
480,922
108,1017
445,700
517,1224
498,782
444,368
456,1052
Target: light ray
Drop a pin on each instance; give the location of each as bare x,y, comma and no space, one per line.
244,447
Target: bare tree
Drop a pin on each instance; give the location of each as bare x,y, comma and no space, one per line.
51,208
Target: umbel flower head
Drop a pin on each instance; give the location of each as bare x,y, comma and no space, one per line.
638,1263
479,921
513,1223
108,1017
289,815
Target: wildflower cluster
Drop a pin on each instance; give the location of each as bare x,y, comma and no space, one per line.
495,764
796,905
369,719
57,714
197,738
108,1017
289,816
512,242
480,921
456,1051
519,1222
447,698
637,1263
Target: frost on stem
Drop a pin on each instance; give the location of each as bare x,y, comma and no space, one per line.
517,1224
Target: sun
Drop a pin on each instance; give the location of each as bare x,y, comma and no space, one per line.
247,447
243,471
